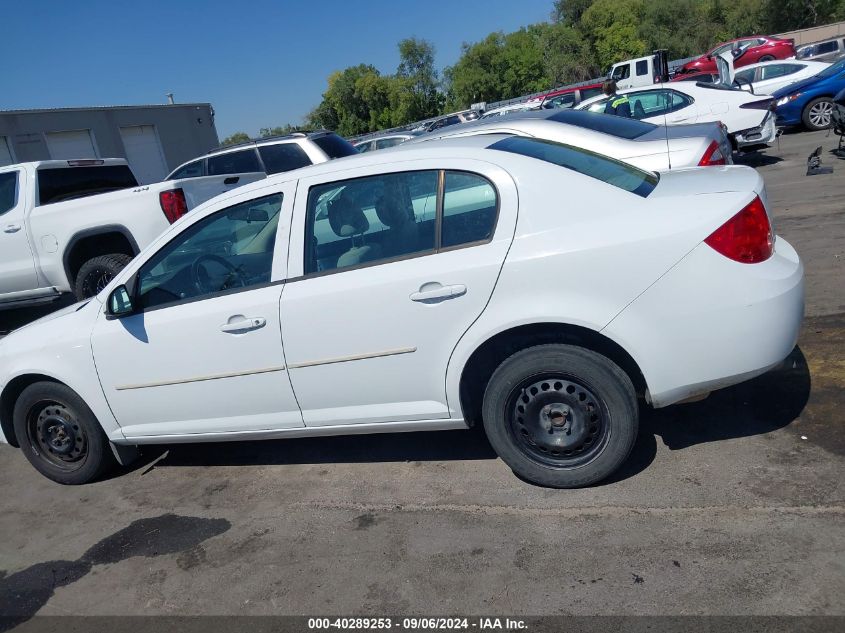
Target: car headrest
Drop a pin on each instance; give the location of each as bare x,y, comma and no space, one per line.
394,207
346,217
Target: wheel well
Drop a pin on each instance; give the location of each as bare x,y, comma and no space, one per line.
484,360
88,246
8,399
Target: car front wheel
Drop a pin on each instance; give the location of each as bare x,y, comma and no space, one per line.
818,113
59,434
560,415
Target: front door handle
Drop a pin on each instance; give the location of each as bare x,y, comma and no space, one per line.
239,324
12,228
434,292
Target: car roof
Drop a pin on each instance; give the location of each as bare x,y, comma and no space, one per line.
267,140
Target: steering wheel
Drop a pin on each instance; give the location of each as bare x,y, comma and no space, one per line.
203,281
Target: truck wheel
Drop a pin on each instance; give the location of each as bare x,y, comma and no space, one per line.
560,415
818,113
96,273
59,434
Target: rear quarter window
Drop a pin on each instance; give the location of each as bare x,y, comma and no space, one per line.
68,183
613,172
334,146
8,191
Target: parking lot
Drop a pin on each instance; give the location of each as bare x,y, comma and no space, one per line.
733,505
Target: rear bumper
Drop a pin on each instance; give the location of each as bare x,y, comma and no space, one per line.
764,134
711,322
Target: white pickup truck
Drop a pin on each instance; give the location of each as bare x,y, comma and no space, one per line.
71,225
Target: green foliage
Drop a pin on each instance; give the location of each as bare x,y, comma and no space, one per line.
237,137
582,39
287,128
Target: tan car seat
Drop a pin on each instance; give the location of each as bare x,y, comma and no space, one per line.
396,211
348,220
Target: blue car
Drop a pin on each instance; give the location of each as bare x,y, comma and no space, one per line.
810,102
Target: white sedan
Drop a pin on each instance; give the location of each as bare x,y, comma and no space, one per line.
767,77
528,286
642,144
748,118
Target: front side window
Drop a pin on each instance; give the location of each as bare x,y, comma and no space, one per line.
8,191
228,250
592,164
745,76
621,72
566,100
281,157
191,170
240,162
388,142
368,219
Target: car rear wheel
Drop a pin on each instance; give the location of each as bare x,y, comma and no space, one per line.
59,434
560,415
97,272
818,113
766,58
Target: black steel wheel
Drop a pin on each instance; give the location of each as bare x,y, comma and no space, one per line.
557,420
54,433
560,415
59,434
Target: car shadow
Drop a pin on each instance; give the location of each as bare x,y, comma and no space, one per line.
762,405
13,319
756,159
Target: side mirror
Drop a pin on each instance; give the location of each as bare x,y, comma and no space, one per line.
120,302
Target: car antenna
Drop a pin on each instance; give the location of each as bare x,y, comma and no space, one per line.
661,64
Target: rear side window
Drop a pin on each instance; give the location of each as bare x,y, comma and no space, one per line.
613,172
60,184
469,209
334,146
8,191
191,170
589,93
642,67
827,47
234,163
283,157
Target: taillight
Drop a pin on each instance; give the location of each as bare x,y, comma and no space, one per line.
713,156
173,204
762,104
747,237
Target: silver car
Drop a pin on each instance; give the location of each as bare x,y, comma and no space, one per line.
645,145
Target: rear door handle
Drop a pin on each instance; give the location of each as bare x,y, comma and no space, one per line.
239,324
434,292
12,228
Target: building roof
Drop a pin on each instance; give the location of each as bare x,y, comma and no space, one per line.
112,107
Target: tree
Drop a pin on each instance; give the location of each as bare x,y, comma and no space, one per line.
281,130
612,28
417,74
237,137
569,12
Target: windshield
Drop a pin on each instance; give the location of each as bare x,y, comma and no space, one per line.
832,70
609,170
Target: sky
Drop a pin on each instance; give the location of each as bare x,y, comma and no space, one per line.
259,63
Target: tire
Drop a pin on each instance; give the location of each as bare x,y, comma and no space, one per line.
766,58
818,113
560,415
97,272
59,434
